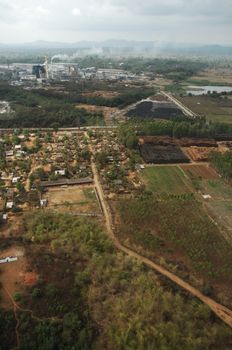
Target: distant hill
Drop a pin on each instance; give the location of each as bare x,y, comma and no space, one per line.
124,46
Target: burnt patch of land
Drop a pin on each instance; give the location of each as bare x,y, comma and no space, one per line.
155,110
171,153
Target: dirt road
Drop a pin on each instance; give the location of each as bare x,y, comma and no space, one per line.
185,109
221,311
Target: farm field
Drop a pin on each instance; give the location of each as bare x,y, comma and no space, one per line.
178,232
219,205
200,172
215,109
74,199
217,189
201,179
166,179
221,211
177,229
213,76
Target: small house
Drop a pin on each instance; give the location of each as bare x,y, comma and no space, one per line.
60,172
9,204
15,179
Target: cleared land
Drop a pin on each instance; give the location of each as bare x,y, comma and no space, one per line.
108,112
215,109
14,276
168,179
199,154
73,199
177,227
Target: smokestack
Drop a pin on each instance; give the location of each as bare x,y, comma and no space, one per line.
46,66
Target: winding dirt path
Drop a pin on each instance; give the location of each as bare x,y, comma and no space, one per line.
221,311
17,307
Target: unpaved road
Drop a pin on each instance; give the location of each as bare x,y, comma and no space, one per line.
221,311
185,109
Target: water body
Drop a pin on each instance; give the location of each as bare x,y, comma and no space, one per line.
202,90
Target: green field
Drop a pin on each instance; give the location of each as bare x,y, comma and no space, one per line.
173,180
214,109
220,205
218,189
166,179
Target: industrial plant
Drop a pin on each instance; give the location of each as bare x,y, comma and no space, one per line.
49,71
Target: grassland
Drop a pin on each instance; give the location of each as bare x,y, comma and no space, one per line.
217,189
213,77
166,179
219,206
214,109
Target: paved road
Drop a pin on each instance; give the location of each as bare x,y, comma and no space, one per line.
185,109
221,311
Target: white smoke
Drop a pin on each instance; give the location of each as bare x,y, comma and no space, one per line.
61,57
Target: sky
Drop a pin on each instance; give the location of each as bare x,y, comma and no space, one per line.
177,21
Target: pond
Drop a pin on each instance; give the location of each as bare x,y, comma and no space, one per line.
201,90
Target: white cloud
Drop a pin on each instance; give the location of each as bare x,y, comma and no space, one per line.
207,21
76,11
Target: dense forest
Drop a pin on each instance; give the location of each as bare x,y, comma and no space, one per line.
89,296
44,108
31,109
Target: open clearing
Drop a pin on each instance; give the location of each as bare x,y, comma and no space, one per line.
215,109
14,275
104,94
168,179
108,112
74,199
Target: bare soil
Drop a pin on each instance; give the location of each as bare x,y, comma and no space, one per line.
108,112
199,154
66,199
105,94
14,276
